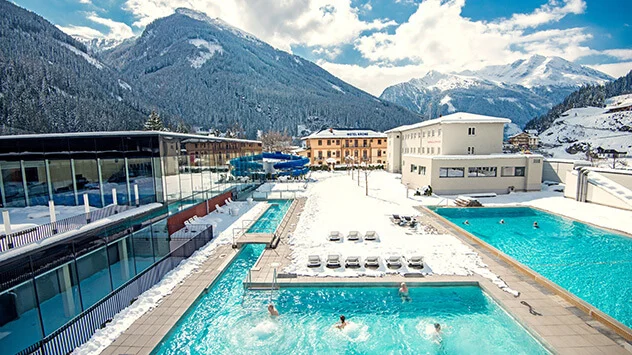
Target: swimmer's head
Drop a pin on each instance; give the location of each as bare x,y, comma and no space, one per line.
403,284
271,306
437,326
342,319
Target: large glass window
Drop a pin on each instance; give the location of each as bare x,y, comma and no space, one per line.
114,176
141,174
61,181
485,171
19,319
121,260
186,183
508,171
87,180
451,172
12,184
36,182
94,277
58,295
143,249
160,234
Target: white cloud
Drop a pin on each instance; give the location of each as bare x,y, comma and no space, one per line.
117,30
623,54
88,2
311,23
373,78
614,69
546,13
330,53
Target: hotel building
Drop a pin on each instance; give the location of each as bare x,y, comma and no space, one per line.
460,153
362,145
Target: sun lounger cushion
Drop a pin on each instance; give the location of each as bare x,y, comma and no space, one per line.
333,261
313,261
370,235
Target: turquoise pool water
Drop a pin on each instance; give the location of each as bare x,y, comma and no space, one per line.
271,218
229,320
592,263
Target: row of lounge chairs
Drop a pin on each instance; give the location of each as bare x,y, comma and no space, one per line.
355,236
334,261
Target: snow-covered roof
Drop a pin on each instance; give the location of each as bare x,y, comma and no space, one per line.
620,101
346,133
476,157
192,137
457,117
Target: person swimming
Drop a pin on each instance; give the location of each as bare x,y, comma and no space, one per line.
403,292
535,225
466,222
502,221
273,311
343,323
437,333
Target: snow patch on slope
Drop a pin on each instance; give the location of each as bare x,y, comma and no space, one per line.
124,85
203,57
446,101
85,56
336,87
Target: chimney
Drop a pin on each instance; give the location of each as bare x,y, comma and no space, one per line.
331,130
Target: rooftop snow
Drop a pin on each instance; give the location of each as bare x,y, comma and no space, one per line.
125,134
458,117
346,133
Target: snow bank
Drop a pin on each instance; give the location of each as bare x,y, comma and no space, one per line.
203,57
147,301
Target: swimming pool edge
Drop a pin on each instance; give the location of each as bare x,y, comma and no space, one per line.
584,306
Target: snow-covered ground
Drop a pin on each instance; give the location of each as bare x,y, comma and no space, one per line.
224,223
28,217
337,203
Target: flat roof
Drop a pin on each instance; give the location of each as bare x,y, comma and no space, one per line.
475,157
125,134
457,117
346,133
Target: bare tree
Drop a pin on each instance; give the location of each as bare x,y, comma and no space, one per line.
274,141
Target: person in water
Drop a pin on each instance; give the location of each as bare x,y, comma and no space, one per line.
343,323
273,311
466,222
502,221
437,334
535,225
403,292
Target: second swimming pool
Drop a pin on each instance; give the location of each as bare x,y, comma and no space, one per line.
231,320
272,217
592,263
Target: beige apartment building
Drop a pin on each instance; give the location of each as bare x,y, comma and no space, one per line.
460,153
334,145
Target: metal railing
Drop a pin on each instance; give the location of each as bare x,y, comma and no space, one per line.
31,235
274,195
79,330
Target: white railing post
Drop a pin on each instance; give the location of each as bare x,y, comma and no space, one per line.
86,207
53,216
7,227
114,197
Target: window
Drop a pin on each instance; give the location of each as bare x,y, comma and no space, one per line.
328,154
536,161
329,142
379,141
320,142
485,171
309,155
364,143
413,167
439,132
337,154
471,131
431,150
433,132
337,141
512,171
379,161
423,150
422,170
379,153
451,172
439,150
423,134
470,150
320,154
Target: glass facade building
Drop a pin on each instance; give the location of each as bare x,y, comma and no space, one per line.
42,290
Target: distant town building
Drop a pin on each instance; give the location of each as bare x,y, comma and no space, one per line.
609,153
345,145
525,140
460,153
620,103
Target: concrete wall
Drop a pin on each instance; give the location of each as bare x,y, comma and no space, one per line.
557,169
455,185
597,194
394,152
488,138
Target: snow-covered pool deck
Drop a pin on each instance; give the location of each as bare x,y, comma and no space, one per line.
562,327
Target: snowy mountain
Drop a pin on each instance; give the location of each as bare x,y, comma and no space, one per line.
50,83
214,75
521,90
580,129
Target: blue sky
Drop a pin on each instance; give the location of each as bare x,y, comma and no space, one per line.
376,43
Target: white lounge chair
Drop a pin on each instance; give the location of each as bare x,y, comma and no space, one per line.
416,262
333,261
352,261
230,200
219,209
354,235
371,235
334,236
226,202
394,262
372,262
313,261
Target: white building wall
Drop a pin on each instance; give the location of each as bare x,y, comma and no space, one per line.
487,139
394,152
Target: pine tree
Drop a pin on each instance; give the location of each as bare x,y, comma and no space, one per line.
182,128
154,123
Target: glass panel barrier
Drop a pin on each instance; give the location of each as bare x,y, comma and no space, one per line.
36,182
58,295
121,261
13,184
114,176
143,249
19,318
87,180
94,277
61,180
